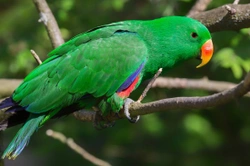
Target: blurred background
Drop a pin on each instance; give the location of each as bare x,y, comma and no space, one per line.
210,137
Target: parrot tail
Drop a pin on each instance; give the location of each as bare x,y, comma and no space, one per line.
11,114
22,137
8,102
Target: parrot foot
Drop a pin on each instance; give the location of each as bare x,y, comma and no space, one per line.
99,122
127,102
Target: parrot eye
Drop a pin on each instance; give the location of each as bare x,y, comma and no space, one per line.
194,35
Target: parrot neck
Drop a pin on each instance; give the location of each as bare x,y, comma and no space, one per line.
160,55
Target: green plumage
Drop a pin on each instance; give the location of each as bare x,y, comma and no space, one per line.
94,65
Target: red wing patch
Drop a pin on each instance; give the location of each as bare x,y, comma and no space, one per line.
126,92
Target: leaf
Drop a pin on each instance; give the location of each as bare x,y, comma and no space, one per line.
237,70
227,58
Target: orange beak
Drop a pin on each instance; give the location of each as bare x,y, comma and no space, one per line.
207,50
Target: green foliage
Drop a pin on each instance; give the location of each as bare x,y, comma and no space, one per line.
227,58
218,136
153,125
236,56
201,127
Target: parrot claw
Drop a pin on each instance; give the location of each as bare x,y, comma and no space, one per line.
127,102
99,124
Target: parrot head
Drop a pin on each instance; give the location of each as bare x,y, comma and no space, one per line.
178,39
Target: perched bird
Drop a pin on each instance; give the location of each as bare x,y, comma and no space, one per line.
100,68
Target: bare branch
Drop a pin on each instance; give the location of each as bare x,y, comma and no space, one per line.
193,102
198,7
202,84
176,103
220,19
71,143
50,23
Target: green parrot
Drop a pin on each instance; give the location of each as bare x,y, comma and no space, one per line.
100,68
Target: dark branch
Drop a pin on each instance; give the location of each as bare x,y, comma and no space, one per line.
221,19
176,103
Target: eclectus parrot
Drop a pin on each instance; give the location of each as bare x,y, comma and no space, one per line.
100,68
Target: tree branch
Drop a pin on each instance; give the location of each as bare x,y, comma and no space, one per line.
220,19
48,19
175,103
202,84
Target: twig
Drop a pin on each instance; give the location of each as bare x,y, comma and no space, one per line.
50,23
198,7
38,60
144,93
236,2
70,142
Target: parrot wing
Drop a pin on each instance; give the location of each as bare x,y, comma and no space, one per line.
96,63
